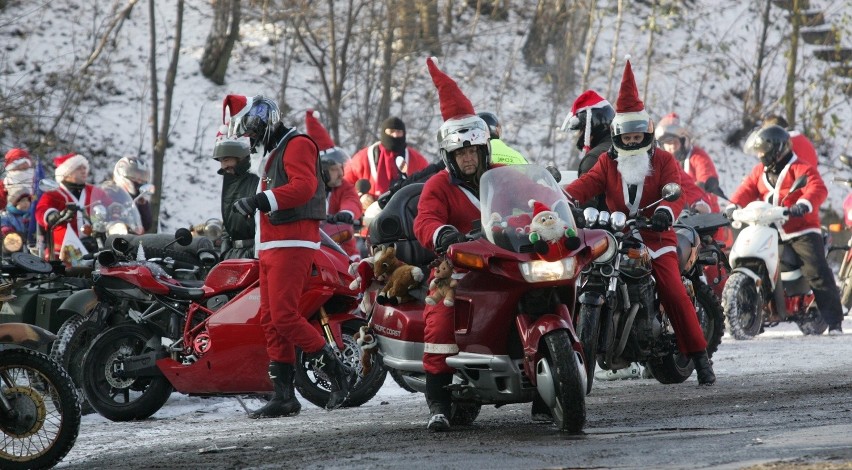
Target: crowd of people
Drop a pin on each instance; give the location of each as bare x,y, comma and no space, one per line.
305,181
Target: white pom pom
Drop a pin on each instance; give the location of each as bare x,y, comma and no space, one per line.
315,114
531,203
627,57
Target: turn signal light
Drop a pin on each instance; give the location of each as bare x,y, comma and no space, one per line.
835,228
599,247
468,260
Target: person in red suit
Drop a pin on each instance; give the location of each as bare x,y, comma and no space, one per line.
60,208
19,174
770,180
385,161
291,202
342,203
801,146
632,175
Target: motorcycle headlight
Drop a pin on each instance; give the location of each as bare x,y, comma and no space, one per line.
612,247
545,271
13,242
117,229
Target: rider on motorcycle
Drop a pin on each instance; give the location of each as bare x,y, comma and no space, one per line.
632,175
130,173
770,180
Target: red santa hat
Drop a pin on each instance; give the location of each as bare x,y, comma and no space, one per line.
17,158
538,207
317,131
232,105
65,164
453,102
629,108
587,101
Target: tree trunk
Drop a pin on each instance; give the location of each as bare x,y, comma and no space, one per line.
220,42
591,40
790,89
160,128
613,58
429,36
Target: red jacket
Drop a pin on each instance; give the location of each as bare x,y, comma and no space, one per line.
362,166
433,209
344,198
803,148
56,201
604,178
300,161
756,186
700,166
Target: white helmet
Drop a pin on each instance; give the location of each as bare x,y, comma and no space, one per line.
464,131
130,173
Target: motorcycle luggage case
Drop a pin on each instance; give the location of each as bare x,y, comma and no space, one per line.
47,308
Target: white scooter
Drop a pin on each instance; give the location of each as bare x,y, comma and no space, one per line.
753,297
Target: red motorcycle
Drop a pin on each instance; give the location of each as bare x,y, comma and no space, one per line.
207,339
513,311
845,273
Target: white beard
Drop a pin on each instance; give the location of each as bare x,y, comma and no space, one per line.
634,168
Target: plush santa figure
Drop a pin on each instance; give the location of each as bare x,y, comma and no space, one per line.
551,236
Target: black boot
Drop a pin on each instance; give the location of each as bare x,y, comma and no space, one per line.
440,401
703,368
284,402
340,376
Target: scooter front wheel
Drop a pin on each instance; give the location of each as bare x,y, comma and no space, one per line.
743,306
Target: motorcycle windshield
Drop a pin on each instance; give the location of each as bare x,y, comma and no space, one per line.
512,196
114,212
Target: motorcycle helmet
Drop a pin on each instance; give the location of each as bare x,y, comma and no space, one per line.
601,120
671,128
238,148
770,145
130,173
331,157
464,131
255,120
493,123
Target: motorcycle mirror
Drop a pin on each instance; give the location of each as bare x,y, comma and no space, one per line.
846,160
46,185
799,183
555,173
671,192
147,189
183,236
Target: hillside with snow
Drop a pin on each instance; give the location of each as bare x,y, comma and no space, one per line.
699,69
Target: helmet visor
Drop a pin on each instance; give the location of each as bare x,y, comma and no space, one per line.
136,174
628,127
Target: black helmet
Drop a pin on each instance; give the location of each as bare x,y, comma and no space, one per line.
256,120
238,148
770,144
601,119
493,123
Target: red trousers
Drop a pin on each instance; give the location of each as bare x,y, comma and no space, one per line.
283,272
440,338
679,308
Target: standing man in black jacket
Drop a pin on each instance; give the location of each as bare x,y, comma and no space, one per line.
237,182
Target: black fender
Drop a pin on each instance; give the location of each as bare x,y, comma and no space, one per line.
26,335
81,302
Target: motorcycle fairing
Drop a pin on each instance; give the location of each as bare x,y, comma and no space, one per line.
756,242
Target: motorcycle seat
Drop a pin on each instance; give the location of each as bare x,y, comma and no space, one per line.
186,293
395,224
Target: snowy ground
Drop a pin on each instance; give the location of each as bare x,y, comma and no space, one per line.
751,399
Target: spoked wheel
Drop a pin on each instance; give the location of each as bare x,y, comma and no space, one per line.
743,306
315,386
560,371
711,318
115,397
42,423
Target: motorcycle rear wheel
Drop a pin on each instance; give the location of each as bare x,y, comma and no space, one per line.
743,306
464,414
846,287
48,410
812,324
673,368
118,399
569,409
711,318
315,387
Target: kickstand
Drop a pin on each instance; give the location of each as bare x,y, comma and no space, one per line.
243,405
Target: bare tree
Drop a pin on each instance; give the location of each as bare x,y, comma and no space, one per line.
220,42
619,17
792,57
160,127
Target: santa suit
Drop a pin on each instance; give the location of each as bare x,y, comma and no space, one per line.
382,173
434,212
57,201
803,148
700,167
286,253
344,198
605,178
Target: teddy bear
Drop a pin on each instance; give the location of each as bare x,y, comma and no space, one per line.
443,286
363,272
401,277
551,236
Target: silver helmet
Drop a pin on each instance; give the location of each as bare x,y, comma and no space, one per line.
464,131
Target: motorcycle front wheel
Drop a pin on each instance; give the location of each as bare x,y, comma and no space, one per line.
588,330
711,318
673,368
114,397
743,306
846,286
43,421
569,408
315,387
72,341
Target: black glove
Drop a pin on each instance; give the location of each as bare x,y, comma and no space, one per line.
661,221
799,210
53,217
446,237
246,206
340,217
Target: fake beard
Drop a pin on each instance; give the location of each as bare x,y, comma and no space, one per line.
549,230
634,168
